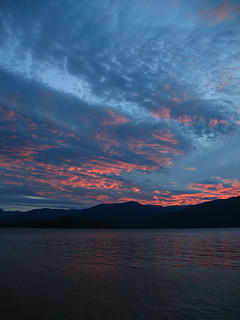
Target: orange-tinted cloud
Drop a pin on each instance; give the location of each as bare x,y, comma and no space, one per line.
115,119
154,150
221,13
224,189
162,113
165,136
186,120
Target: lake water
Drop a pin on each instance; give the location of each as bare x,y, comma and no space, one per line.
119,274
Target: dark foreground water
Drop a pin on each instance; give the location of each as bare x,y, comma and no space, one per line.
119,274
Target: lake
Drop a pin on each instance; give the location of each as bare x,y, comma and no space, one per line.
119,274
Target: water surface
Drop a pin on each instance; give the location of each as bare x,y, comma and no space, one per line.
120,274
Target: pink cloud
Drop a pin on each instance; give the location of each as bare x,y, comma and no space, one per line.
220,13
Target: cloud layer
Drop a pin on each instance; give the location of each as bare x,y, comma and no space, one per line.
108,101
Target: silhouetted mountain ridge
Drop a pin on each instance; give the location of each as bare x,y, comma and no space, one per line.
217,213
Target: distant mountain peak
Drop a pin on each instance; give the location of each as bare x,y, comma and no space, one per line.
131,203
131,214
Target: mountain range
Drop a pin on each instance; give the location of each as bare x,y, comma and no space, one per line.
217,213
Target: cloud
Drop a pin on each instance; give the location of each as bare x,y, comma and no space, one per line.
221,13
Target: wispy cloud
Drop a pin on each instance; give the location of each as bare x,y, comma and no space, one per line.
221,13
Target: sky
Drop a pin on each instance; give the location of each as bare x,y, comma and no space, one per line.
118,100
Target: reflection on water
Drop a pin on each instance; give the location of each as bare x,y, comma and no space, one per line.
120,274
